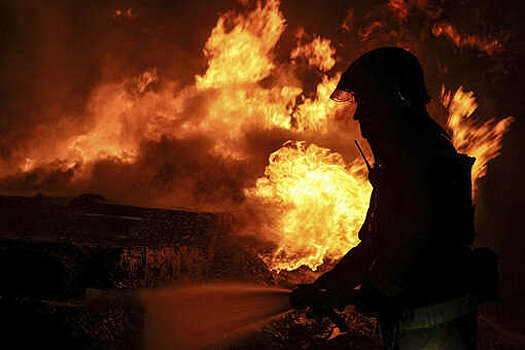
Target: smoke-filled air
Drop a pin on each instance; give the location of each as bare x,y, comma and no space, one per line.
253,130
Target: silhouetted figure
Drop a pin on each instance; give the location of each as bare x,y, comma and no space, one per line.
415,262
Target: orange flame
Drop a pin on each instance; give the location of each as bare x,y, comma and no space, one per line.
321,204
319,200
314,114
319,53
400,8
240,54
365,32
490,46
480,140
348,21
109,134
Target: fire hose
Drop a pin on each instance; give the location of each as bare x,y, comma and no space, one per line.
319,303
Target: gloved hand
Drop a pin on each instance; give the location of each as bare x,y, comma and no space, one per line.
317,301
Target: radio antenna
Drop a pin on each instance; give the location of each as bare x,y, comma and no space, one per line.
363,155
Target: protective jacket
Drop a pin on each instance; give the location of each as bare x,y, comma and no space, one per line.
416,239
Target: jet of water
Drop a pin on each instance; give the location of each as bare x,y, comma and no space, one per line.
198,316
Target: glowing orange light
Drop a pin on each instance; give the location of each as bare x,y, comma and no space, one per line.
320,200
469,136
490,46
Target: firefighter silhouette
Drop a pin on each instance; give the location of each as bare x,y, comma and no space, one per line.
415,264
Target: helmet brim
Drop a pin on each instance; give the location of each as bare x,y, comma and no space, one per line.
340,95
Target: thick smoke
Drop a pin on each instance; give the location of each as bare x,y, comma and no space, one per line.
135,130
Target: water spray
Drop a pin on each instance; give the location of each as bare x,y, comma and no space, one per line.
200,316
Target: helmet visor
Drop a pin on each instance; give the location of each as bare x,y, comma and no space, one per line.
340,95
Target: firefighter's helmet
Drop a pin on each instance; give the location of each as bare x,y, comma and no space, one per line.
387,72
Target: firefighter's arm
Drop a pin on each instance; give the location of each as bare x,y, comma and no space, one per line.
346,275
349,271
335,287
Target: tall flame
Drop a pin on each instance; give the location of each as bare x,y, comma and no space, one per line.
320,200
469,136
243,53
230,99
